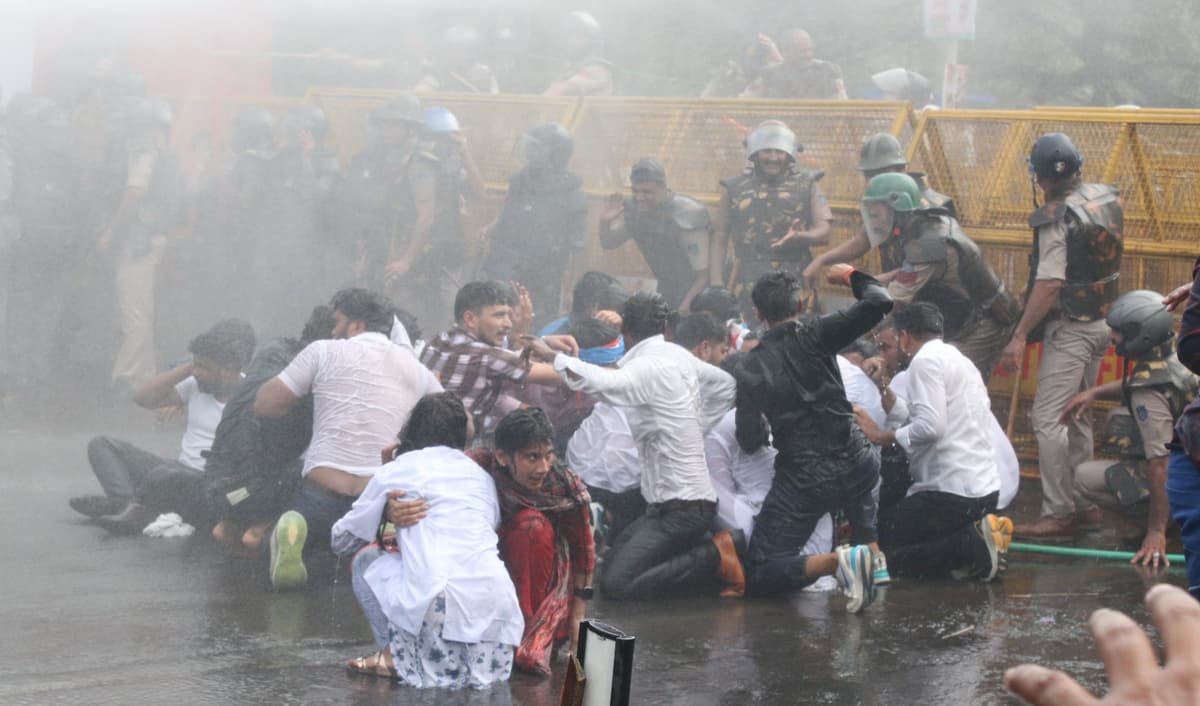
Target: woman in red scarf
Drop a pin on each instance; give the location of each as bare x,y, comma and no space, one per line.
545,534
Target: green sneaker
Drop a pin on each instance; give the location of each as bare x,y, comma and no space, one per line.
287,552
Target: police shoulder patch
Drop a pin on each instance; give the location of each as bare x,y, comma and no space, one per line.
1142,413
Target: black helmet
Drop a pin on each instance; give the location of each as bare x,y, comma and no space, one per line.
401,109
1054,156
547,145
1143,322
253,129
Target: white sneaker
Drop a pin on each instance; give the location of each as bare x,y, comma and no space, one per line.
855,576
881,576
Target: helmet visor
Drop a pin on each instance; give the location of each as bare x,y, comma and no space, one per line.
879,220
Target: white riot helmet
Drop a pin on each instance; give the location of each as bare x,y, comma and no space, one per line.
771,135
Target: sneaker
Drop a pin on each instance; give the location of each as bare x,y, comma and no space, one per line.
855,576
93,506
993,535
599,528
881,577
287,551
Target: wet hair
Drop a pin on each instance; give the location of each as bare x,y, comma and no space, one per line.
776,295
716,300
439,419
695,329
474,296
229,343
523,428
596,290
888,324
645,314
409,321
319,325
920,320
591,333
371,308
861,346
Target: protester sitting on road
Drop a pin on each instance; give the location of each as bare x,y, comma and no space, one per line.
204,384
1134,677
672,399
439,599
545,534
946,522
473,359
790,394
254,464
364,388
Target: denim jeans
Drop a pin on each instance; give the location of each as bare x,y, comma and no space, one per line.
929,534
320,509
789,515
1183,492
662,551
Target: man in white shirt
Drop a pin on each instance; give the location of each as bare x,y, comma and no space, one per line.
364,388
203,385
603,453
945,523
671,400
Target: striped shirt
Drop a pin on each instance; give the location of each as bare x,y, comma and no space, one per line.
482,375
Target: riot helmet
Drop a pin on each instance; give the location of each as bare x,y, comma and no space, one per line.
881,151
1143,322
547,146
888,197
1054,156
253,129
905,85
441,121
771,135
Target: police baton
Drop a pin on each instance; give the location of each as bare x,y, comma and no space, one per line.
1016,396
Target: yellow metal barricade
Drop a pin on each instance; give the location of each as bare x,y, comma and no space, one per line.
491,123
700,142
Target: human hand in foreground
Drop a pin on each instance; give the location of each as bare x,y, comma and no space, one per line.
1134,676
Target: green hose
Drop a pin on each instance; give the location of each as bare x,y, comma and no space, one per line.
1075,551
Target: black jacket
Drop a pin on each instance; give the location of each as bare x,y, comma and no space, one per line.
792,380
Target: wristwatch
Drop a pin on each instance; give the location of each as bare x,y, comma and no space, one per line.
585,593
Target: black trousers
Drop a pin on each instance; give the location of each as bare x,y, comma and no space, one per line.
928,534
623,508
663,551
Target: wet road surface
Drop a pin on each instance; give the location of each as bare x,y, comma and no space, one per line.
88,618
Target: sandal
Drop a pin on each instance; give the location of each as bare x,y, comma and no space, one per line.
376,665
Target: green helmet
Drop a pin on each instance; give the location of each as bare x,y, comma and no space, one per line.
888,194
897,190
881,151
1143,322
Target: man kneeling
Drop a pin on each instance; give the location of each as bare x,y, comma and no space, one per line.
945,523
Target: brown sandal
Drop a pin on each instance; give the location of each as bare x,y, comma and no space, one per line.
376,665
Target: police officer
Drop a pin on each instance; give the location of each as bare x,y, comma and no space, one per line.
773,212
586,72
1154,395
459,184
930,258
387,200
798,76
672,232
1073,280
543,222
43,238
150,205
457,68
881,154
